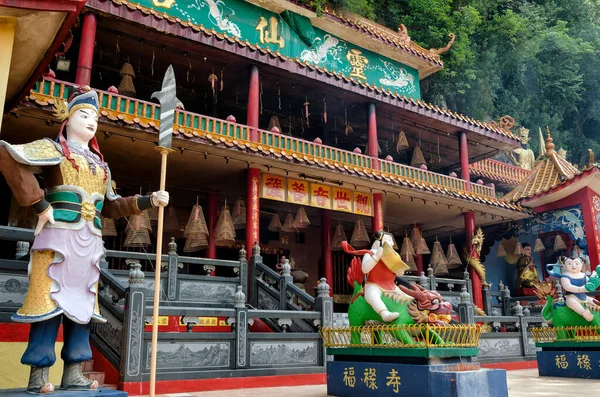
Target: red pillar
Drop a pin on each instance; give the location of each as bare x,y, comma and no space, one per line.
419,258
377,212
326,248
252,210
591,228
83,75
373,146
463,152
211,252
253,102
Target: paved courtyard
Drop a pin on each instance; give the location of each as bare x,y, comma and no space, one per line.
521,383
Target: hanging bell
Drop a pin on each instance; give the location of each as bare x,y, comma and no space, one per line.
422,248
417,158
288,225
539,245
360,238
275,224
301,221
338,237
452,257
402,143
501,253
225,232
518,249
239,214
559,243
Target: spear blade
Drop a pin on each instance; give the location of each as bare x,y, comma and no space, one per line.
167,97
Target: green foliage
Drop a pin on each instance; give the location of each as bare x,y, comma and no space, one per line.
531,59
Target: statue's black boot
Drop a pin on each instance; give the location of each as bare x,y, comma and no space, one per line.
73,379
39,381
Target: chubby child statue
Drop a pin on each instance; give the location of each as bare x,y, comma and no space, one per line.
64,267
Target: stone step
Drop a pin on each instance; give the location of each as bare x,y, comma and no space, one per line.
87,366
94,375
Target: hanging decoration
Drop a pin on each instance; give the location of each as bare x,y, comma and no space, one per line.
518,249
108,227
225,231
275,224
196,230
538,246
274,123
438,150
422,248
288,224
402,142
172,223
338,237
415,237
348,127
306,113
324,111
438,260
408,254
501,251
187,74
138,228
278,95
195,242
417,158
360,238
213,81
301,221
559,243
126,87
222,72
152,64
239,214
452,256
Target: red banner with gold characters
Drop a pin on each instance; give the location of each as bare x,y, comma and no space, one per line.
281,188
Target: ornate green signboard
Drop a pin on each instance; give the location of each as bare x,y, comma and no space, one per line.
294,37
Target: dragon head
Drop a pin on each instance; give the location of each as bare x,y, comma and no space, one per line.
428,306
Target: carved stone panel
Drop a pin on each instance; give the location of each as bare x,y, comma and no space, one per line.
136,333
499,347
13,288
266,301
241,329
196,355
110,332
148,283
283,353
201,291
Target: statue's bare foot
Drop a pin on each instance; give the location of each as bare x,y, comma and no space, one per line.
588,315
73,379
388,316
39,382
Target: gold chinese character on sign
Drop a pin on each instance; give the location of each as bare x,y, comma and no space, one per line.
394,381
358,63
163,3
370,378
583,362
561,361
349,378
268,32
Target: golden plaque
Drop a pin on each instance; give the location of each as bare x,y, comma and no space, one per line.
392,260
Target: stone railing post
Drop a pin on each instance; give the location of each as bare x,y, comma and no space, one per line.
466,312
172,269
431,277
467,279
22,249
522,323
241,329
506,301
324,304
133,326
255,259
487,300
286,277
243,271
424,281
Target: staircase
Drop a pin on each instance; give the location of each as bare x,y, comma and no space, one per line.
88,371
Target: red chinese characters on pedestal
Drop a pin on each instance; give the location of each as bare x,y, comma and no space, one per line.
342,200
273,187
363,204
320,196
298,192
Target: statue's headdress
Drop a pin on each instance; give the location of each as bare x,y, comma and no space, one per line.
524,135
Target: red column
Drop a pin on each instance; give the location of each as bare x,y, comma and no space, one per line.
83,75
377,212
463,152
373,146
591,228
326,248
253,102
252,210
419,258
211,252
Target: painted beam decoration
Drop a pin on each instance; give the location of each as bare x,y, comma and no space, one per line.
293,36
318,195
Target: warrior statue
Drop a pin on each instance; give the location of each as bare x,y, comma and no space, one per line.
381,265
523,157
64,266
527,275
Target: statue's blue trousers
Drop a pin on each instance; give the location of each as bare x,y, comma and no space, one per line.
42,336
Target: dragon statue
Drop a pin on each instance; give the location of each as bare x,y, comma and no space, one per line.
473,257
415,305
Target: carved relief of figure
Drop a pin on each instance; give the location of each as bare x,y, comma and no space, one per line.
64,267
523,157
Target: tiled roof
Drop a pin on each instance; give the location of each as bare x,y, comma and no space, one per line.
418,104
499,172
548,174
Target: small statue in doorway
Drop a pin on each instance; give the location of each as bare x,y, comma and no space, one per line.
527,272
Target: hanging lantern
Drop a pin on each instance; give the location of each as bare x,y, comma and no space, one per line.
417,158
501,251
288,225
301,220
360,238
239,214
196,223
407,249
422,248
138,227
452,257
108,227
138,222
438,260
518,249
538,246
195,242
415,237
559,243
225,231
126,87
338,237
402,143
172,223
275,224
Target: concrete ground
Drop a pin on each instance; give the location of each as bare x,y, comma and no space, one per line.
521,383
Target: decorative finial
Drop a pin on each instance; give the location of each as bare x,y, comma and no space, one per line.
465,297
243,253
323,288
286,268
172,246
549,143
239,298
256,249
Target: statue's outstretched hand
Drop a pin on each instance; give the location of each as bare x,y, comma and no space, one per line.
160,198
47,216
